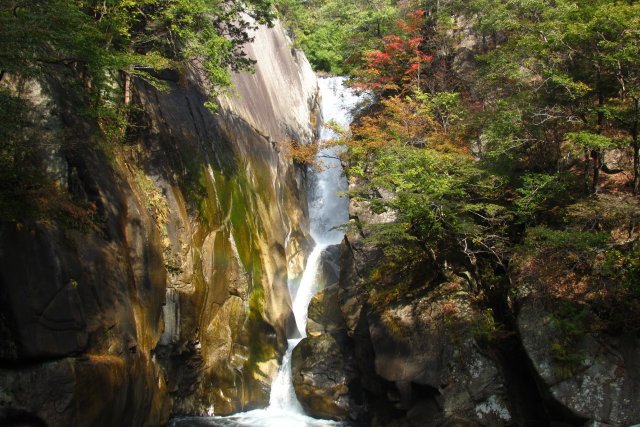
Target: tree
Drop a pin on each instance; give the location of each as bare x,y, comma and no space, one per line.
99,38
577,59
334,33
399,63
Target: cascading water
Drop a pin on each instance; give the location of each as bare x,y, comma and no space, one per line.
327,211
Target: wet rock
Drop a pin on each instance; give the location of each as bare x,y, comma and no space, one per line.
324,376
324,312
201,204
330,265
95,390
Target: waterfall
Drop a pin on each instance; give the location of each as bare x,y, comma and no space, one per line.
327,211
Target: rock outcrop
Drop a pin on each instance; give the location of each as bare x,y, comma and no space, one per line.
327,386
162,286
424,347
413,357
594,377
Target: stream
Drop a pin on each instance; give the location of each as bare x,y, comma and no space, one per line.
327,211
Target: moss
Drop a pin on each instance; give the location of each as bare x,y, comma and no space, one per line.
262,341
207,202
242,223
571,321
223,190
155,201
219,195
194,185
486,330
236,198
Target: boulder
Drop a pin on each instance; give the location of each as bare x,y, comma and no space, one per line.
86,391
330,265
426,347
594,377
325,377
324,312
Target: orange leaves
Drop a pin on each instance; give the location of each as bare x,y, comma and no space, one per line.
299,153
406,121
412,22
403,121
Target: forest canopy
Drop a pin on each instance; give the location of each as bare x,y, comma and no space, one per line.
127,35
503,134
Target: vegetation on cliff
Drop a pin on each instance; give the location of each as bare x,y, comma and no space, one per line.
99,46
503,139
99,38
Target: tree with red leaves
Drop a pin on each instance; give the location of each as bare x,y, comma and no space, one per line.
398,65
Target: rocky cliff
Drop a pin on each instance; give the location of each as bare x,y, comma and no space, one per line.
156,282
418,345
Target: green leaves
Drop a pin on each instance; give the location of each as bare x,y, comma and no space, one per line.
543,238
590,141
536,193
129,35
333,34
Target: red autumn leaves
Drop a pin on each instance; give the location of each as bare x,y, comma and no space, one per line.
399,62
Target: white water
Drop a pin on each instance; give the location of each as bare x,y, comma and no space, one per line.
327,211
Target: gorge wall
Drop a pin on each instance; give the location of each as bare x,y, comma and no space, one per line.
157,283
420,346
427,341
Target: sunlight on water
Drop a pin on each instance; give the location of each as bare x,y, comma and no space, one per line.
327,211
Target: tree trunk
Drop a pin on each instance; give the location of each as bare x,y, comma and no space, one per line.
126,77
587,174
636,147
597,155
597,165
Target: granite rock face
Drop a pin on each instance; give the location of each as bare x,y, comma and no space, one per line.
325,385
425,348
172,295
600,384
372,361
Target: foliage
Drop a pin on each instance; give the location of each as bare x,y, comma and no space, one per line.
485,329
536,193
303,154
620,215
571,322
490,118
334,33
569,241
14,165
618,302
93,49
400,61
590,141
99,38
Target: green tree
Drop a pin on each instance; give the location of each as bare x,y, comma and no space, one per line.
333,34
569,57
100,38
